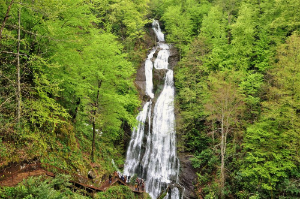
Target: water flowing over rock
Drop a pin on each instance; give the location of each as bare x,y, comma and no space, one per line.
148,74
152,149
155,26
135,145
161,61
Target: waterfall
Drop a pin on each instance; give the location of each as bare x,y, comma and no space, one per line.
152,149
148,73
155,26
134,150
161,61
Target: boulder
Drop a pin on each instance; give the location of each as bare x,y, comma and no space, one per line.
91,174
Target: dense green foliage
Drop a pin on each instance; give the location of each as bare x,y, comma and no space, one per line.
238,93
77,62
41,188
59,188
120,192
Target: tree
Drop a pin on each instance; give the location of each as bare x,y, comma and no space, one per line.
224,105
5,18
178,24
108,92
69,67
18,71
190,78
272,144
214,30
243,37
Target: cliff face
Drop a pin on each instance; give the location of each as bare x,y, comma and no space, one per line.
187,176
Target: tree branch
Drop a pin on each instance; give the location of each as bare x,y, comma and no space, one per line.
35,34
13,53
6,101
5,18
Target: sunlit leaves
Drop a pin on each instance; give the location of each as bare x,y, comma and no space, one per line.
272,144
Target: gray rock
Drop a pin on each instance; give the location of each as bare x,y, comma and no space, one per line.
187,176
91,174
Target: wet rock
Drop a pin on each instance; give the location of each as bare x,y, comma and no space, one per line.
140,74
155,54
141,86
173,58
140,81
150,37
91,174
146,98
187,176
158,79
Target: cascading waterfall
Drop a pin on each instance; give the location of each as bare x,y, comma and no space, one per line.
155,26
161,61
135,145
148,74
152,149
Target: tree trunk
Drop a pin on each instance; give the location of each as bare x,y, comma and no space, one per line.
94,121
5,18
213,133
18,73
76,110
222,146
229,22
94,137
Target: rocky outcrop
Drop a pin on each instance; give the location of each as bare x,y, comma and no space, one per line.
140,81
173,58
188,176
158,81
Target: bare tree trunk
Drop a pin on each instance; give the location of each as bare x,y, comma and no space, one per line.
94,136
5,18
94,121
213,133
18,73
222,146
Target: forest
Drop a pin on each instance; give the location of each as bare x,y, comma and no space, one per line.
68,97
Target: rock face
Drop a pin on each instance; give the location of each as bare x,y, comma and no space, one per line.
173,58
158,81
140,81
187,177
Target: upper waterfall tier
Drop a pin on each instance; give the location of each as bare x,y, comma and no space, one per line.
157,30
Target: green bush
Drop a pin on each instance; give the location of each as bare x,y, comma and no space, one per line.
41,188
116,192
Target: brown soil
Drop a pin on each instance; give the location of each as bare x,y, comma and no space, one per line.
15,174
17,178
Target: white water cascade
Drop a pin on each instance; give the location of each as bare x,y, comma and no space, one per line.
148,73
151,153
